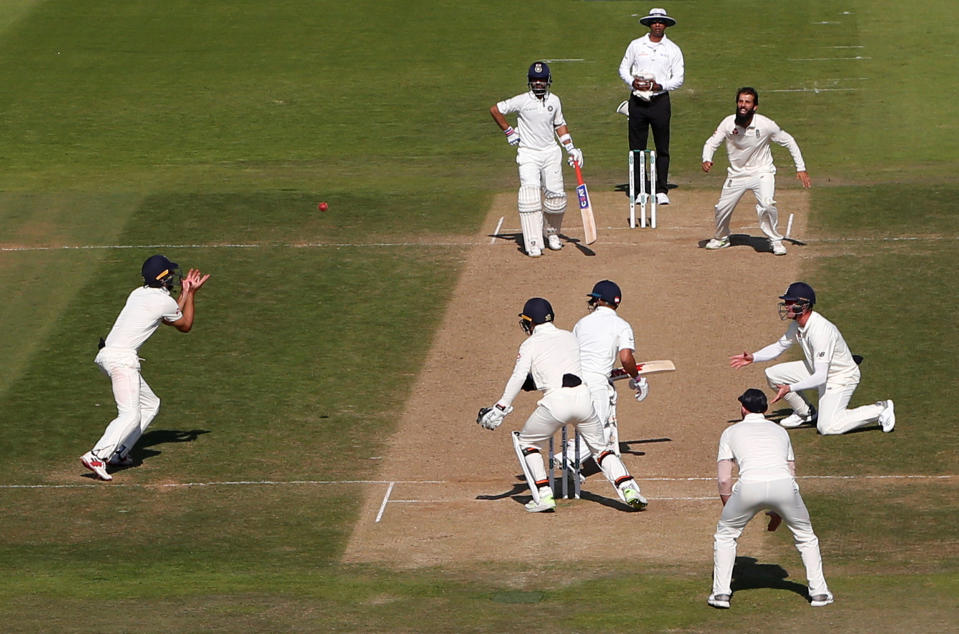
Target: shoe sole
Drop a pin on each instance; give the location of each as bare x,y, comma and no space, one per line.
638,505
722,246
892,426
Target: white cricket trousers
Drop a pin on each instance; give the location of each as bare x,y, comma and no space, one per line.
833,417
137,405
541,168
763,186
570,406
748,499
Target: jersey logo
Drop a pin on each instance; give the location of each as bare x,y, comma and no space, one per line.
757,134
550,108
821,354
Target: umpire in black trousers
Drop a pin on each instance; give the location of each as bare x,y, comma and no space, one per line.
651,68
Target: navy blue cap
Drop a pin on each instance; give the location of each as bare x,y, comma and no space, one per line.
537,311
157,269
799,292
607,291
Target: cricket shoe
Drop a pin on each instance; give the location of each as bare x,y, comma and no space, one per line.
662,198
121,461
820,600
717,243
778,247
534,252
546,503
795,420
887,417
635,499
553,242
719,601
95,465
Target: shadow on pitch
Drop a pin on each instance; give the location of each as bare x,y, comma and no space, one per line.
749,574
517,238
759,244
142,451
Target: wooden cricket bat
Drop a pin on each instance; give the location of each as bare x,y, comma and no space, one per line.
585,208
644,367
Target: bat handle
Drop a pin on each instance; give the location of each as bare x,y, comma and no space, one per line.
579,173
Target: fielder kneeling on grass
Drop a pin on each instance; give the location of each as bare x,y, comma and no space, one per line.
829,367
551,357
767,471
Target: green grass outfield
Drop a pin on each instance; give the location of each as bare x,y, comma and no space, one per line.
188,126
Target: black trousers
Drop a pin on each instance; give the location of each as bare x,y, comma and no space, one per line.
644,115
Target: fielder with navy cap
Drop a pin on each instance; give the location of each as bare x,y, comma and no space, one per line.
550,356
767,471
828,366
146,308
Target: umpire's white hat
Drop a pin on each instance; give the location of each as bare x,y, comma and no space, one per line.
657,15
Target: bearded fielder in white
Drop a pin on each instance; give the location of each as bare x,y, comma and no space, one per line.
751,167
549,361
146,308
539,120
828,367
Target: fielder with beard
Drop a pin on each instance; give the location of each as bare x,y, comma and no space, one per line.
751,167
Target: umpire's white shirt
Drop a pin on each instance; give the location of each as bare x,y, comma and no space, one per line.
662,60
145,308
601,335
537,119
748,148
547,354
760,448
821,342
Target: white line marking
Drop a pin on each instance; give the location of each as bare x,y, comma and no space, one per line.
827,59
564,59
815,90
850,46
174,485
386,498
789,226
496,231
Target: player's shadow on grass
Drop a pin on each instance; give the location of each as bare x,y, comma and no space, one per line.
142,451
759,244
749,574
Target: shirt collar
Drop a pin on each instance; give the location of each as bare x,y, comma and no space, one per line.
754,418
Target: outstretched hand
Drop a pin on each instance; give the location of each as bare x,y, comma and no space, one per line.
782,390
193,281
804,179
740,360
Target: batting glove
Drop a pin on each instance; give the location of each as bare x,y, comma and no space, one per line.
641,386
575,156
491,417
512,136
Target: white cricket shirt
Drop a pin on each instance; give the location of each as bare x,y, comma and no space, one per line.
601,335
821,342
141,316
547,354
662,60
537,119
761,449
748,148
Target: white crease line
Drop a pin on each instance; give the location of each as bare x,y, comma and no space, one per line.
815,90
386,498
827,59
496,231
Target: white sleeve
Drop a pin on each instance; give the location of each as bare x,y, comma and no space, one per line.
773,350
677,72
712,143
625,67
816,379
558,119
786,140
524,362
507,106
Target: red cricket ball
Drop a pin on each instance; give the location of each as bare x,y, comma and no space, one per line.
323,206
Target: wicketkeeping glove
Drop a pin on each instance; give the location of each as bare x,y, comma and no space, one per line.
512,136
641,386
575,156
491,417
